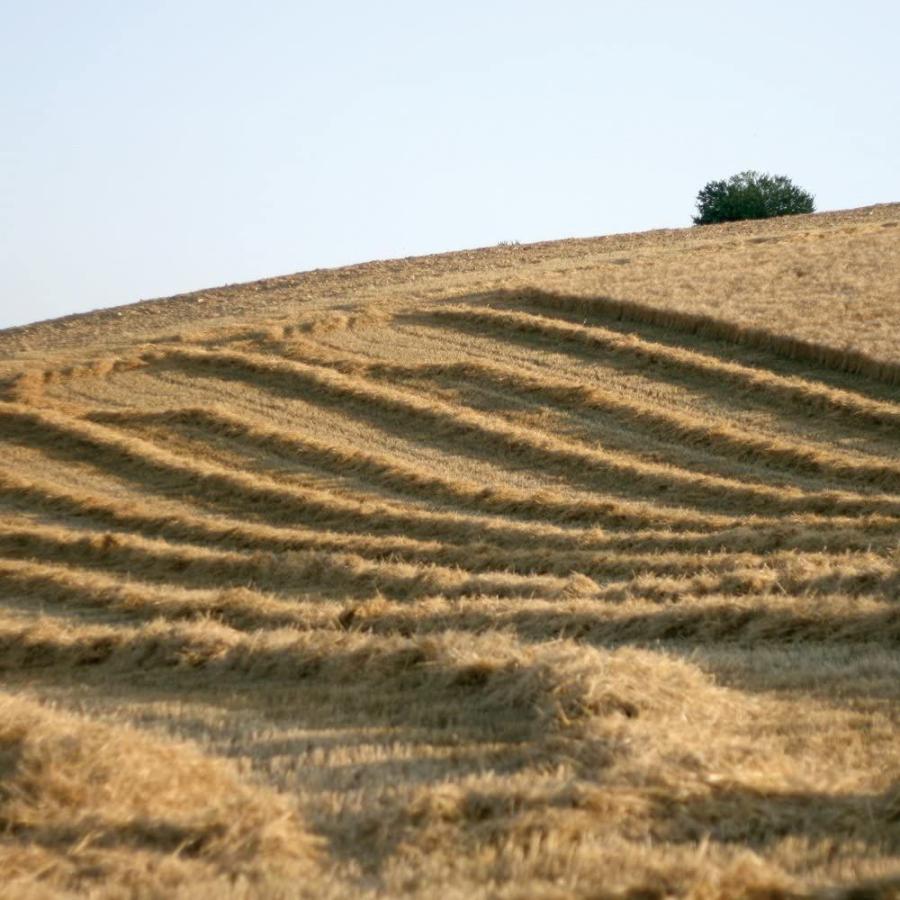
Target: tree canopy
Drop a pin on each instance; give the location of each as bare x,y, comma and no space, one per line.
750,195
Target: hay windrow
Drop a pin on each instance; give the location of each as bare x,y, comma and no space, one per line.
83,805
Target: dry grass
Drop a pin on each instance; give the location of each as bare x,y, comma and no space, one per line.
568,570
90,808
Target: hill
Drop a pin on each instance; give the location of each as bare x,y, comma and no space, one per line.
560,570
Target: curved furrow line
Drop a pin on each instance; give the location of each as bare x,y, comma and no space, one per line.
159,470
600,555
603,469
796,577
726,619
155,519
82,586
29,385
713,619
296,574
857,408
315,574
457,645
594,552
778,452
398,476
73,579
821,356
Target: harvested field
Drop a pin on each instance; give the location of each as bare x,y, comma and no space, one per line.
564,570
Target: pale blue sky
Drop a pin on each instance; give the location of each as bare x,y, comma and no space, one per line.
153,148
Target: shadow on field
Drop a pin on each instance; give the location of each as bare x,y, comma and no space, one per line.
758,818
385,748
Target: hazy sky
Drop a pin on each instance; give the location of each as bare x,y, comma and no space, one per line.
149,148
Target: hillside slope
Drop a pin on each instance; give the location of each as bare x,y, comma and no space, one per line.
568,570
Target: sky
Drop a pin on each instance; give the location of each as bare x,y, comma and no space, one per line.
153,148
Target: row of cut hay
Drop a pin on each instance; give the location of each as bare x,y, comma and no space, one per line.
336,575
158,469
611,471
155,518
294,573
85,805
548,690
595,552
405,478
802,393
29,385
271,334
703,612
80,588
750,621
716,436
670,425
800,576
845,359
281,566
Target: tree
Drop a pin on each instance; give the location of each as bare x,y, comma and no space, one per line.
750,195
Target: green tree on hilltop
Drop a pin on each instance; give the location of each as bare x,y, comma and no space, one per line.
750,195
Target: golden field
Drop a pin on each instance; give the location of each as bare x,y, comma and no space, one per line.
546,571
